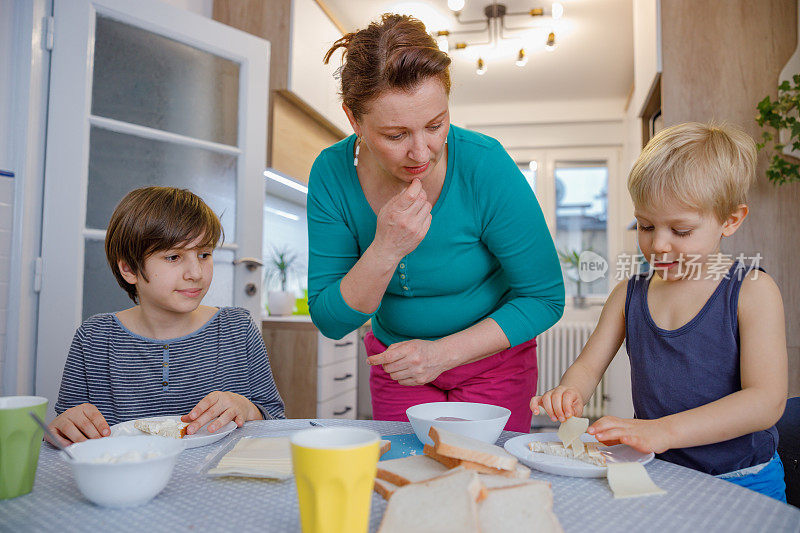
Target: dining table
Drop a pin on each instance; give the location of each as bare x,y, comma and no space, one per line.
195,501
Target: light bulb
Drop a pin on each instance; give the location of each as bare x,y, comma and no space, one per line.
557,10
443,44
551,42
455,5
481,70
522,58
533,165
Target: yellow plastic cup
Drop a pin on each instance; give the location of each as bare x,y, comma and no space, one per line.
20,441
334,469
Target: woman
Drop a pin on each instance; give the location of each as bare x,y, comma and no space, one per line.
432,232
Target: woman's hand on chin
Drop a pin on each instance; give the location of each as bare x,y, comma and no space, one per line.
403,221
414,362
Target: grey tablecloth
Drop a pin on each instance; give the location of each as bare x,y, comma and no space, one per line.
191,501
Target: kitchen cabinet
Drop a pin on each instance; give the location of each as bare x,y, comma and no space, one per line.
305,114
316,376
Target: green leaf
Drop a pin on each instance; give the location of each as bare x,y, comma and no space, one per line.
777,115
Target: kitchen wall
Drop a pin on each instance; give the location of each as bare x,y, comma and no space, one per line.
6,163
24,71
718,64
282,231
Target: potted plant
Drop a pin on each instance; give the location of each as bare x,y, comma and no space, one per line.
280,266
571,259
781,127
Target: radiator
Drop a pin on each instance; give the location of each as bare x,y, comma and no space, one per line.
557,348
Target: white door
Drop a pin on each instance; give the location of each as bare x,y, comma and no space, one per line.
143,93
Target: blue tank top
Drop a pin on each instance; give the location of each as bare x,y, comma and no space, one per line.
696,364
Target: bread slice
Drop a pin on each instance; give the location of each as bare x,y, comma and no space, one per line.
386,445
590,453
166,428
449,462
468,449
440,505
385,488
411,469
527,507
492,481
519,472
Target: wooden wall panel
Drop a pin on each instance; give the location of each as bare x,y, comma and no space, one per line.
292,350
719,60
298,136
270,20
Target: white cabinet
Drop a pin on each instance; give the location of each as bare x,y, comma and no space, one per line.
309,78
316,376
336,377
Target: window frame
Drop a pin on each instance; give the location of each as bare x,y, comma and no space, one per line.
546,195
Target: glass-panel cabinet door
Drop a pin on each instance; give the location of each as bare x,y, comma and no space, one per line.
143,93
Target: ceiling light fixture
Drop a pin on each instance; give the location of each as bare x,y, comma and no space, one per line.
271,174
481,70
522,58
551,42
495,29
455,5
442,43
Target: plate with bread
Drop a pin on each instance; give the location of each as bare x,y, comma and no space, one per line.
571,452
171,427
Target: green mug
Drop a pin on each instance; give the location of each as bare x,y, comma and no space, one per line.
20,441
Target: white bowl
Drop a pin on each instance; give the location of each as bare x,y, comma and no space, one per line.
482,421
123,484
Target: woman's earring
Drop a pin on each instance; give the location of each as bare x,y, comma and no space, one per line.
358,149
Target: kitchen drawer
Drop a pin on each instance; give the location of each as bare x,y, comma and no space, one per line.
333,380
330,351
342,406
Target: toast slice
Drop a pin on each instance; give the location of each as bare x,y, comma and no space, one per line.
527,507
466,448
166,428
444,504
386,445
491,481
385,488
411,469
519,472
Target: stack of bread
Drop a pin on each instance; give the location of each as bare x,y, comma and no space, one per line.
462,484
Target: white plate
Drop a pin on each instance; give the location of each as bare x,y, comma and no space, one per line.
201,438
562,466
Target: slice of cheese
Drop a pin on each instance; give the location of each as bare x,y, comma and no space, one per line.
259,457
572,428
630,480
578,448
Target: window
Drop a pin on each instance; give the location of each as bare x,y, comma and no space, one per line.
530,171
581,209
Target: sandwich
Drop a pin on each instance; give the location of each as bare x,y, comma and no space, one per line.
165,428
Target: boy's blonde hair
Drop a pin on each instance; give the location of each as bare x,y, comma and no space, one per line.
708,167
